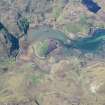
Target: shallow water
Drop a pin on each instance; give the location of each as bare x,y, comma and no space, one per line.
44,33
92,43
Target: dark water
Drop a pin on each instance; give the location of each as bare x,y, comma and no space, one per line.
15,45
10,40
1,26
91,5
23,25
98,32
